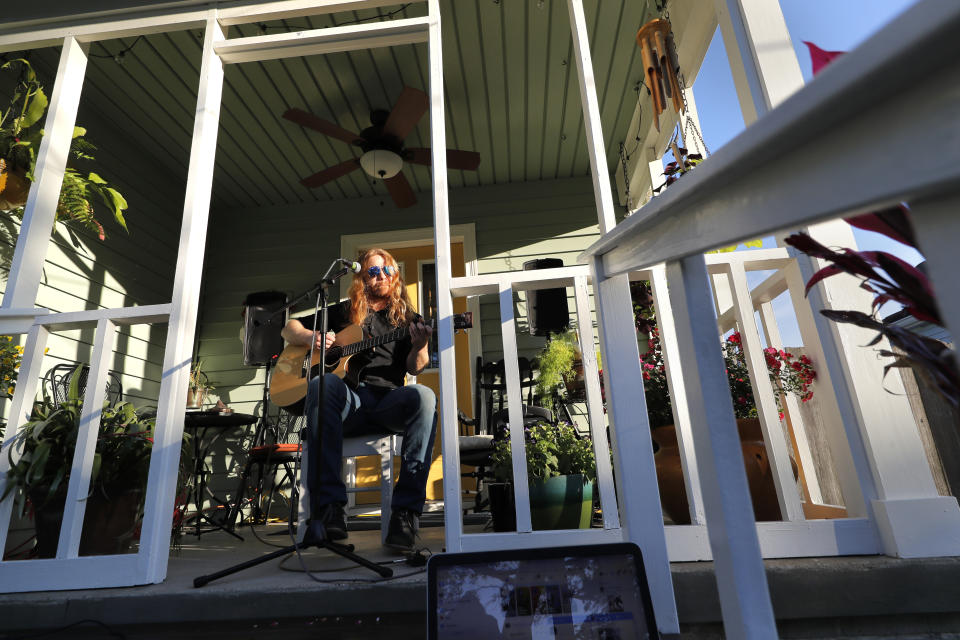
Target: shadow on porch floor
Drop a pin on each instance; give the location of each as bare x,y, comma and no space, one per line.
848,597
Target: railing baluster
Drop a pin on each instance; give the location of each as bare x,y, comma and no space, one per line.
741,578
598,423
521,490
677,390
776,444
87,435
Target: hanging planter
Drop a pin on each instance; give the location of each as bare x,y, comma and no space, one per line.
21,132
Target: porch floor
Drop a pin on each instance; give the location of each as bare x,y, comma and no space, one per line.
846,597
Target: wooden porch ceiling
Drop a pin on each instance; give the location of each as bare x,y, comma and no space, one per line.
512,95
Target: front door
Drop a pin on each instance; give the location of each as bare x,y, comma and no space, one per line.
417,267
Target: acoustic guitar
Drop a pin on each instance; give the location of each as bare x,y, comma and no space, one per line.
288,386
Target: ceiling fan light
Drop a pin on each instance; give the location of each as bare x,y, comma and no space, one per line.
381,163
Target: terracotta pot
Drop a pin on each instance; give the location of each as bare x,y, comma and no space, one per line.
763,492
575,384
14,188
108,524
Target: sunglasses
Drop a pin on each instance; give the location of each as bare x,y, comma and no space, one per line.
387,270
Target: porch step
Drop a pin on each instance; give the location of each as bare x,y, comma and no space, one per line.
856,598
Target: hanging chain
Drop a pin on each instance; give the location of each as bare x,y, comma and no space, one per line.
691,125
626,178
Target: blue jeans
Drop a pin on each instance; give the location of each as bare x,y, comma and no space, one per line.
410,411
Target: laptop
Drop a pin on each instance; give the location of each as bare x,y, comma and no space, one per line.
557,593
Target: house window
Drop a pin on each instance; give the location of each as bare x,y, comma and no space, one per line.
428,306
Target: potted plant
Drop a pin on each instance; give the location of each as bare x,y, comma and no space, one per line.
20,135
890,279
559,363
561,469
41,475
199,386
788,373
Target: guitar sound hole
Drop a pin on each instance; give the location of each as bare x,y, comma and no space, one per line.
333,356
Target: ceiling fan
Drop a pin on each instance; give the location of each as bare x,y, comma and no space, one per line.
382,145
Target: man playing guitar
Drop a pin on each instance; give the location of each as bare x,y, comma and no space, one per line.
380,402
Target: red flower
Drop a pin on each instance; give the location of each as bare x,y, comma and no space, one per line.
734,337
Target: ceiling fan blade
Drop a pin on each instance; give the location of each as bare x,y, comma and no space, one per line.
400,191
406,113
331,173
319,124
456,158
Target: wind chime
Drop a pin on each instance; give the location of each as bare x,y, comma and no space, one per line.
659,55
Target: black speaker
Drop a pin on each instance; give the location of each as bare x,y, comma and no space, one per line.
262,325
547,310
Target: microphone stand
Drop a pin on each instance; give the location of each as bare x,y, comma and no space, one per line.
315,534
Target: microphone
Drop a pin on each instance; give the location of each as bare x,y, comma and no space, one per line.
356,267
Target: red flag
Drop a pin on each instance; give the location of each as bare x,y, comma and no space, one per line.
820,58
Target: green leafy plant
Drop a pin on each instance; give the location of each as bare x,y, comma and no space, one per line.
198,378
555,363
10,357
552,450
47,442
890,279
20,137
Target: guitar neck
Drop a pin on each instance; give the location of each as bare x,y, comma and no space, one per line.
370,343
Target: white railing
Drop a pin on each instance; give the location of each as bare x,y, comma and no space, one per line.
839,146
26,575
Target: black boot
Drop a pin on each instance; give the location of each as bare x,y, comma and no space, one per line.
334,522
402,533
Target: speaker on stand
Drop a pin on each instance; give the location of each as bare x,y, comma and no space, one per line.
262,326
547,310
263,321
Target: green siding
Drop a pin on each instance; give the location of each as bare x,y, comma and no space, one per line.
287,248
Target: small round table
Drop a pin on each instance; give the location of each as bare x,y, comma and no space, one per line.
200,422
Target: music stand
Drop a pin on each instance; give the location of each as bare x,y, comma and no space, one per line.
315,534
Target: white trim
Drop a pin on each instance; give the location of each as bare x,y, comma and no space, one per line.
323,41
807,539
171,16
602,193
171,403
421,305
247,11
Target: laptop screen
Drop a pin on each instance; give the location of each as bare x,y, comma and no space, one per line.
594,591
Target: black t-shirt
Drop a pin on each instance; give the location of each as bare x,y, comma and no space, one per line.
384,366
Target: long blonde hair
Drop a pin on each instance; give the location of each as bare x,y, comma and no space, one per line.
401,308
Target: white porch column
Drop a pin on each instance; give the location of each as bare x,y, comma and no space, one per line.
172,400
453,524
912,519
637,493
40,212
